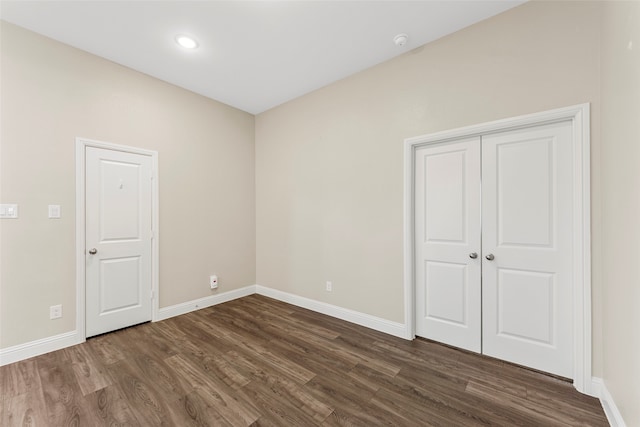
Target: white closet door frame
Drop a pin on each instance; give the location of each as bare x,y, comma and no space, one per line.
581,262
81,144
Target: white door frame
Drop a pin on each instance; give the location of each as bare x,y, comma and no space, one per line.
81,145
581,262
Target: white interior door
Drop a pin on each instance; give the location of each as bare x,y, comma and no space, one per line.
118,234
527,230
447,233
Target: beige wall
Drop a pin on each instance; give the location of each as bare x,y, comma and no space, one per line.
52,93
328,168
329,165
621,205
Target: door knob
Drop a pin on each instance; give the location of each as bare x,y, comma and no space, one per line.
473,255
490,257
93,251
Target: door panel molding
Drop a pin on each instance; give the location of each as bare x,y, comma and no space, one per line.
81,146
578,115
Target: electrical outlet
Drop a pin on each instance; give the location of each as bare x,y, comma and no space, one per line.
329,287
213,281
55,311
54,211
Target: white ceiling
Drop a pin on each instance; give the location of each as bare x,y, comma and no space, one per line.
253,55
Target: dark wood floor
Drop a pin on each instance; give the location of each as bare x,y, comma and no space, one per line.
257,361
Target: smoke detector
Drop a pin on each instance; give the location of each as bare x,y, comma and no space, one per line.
401,39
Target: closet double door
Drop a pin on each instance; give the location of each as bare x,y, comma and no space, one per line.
493,245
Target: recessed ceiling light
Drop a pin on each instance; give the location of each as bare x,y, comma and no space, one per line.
186,42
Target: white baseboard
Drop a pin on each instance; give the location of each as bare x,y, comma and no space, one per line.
362,319
35,348
610,408
197,304
57,342
595,388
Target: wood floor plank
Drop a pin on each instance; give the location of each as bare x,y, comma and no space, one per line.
260,362
200,412
165,379
274,406
19,378
339,391
89,371
306,328
442,399
105,349
60,388
110,408
148,405
580,410
26,409
170,330
146,342
298,396
216,393
350,411
538,413
314,358
412,413
61,392
222,369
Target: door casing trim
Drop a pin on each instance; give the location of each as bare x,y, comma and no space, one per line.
81,145
581,261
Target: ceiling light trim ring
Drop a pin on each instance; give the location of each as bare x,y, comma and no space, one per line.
187,41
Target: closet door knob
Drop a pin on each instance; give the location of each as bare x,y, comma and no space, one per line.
490,257
93,251
473,255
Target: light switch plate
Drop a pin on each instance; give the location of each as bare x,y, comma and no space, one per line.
54,211
8,211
